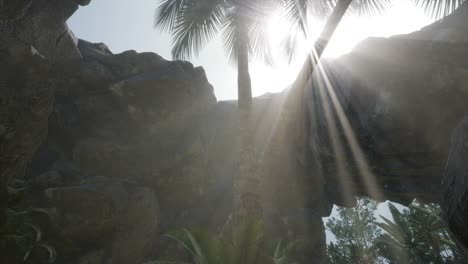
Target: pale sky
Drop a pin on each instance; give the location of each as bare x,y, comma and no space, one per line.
125,25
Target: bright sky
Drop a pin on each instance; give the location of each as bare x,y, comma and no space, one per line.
124,25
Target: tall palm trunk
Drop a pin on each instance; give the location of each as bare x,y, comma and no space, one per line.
246,190
284,165
291,132
320,44
246,183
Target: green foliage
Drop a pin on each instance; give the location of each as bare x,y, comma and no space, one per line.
356,231
21,239
417,235
192,24
243,244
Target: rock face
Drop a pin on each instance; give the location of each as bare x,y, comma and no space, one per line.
42,24
133,120
33,38
108,221
402,99
455,183
26,99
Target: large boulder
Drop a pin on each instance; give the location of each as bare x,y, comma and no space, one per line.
129,117
402,98
26,101
106,221
42,24
34,37
455,182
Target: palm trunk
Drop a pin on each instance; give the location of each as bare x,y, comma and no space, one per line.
246,183
284,164
321,43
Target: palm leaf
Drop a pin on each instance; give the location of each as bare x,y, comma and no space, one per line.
233,36
167,13
438,8
295,11
195,25
369,7
260,45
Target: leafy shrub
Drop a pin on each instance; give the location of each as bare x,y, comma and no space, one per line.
243,244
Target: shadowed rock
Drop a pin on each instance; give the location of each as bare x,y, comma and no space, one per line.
455,199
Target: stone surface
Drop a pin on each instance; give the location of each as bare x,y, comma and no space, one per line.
129,117
34,38
455,199
118,220
42,24
25,101
402,99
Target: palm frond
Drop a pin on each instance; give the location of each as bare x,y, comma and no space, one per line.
289,45
369,7
233,37
438,8
247,240
295,11
260,45
243,243
196,24
167,13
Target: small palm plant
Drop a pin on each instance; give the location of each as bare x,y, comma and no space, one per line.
418,235
243,244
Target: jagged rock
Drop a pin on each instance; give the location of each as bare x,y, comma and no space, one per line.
25,102
42,24
129,116
455,199
33,36
402,99
117,218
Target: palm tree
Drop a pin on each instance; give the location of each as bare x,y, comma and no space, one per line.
243,26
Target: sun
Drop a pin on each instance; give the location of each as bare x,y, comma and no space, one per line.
402,18
278,28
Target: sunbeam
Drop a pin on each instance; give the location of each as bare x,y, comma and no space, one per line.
346,183
358,155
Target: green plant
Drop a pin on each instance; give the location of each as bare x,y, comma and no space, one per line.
21,239
418,235
355,230
243,244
